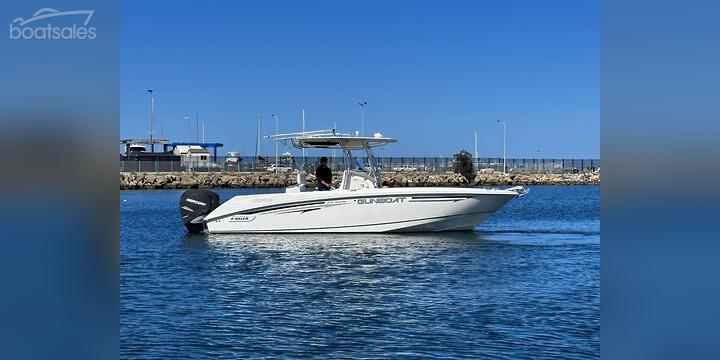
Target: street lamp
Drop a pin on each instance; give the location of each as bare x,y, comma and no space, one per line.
152,110
477,160
277,168
363,104
257,140
504,131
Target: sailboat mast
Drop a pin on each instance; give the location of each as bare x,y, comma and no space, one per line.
303,130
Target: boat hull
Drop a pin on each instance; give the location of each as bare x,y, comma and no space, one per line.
362,211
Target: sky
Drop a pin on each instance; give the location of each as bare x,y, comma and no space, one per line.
431,72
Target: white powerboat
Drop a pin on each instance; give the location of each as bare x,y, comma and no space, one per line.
359,204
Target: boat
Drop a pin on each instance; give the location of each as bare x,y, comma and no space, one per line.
358,204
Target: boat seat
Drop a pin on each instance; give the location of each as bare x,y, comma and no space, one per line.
301,180
301,184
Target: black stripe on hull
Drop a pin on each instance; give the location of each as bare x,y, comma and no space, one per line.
354,226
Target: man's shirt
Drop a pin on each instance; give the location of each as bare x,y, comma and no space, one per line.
323,173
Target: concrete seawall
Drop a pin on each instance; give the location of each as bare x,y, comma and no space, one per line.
140,180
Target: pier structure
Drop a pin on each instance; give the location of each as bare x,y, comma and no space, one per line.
152,142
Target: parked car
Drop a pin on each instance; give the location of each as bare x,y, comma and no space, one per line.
280,168
405,168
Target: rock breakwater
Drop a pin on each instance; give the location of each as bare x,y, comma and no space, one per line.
141,180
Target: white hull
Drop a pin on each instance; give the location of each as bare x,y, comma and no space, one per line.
361,211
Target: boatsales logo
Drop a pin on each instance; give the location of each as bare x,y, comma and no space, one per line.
28,29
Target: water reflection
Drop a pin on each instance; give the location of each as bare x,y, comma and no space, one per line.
391,242
338,250
524,285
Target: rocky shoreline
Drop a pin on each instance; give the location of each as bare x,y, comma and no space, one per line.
177,180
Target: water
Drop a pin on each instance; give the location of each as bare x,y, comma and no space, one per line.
526,284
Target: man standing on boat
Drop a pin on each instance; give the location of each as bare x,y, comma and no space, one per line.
323,175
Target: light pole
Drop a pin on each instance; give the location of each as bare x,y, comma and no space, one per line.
152,110
277,169
362,104
476,153
504,131
257,141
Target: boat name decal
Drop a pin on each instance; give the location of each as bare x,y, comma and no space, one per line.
388,200
242,218
336,202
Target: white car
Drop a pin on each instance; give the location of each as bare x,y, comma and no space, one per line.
405,168
280,168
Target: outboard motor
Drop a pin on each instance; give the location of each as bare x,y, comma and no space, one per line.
195,205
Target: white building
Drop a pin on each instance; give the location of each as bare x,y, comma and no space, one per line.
193,156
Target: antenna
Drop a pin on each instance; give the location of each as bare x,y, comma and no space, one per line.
334,129
363,104
197,127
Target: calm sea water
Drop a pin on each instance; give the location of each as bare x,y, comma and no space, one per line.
526,284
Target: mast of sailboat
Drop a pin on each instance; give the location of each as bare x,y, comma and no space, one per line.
303,130
189,128
277,169
477,160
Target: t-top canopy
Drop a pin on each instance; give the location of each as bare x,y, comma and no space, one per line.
329,139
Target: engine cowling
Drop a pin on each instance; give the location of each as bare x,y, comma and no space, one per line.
195,204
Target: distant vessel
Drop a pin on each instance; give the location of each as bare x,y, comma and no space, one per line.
358,204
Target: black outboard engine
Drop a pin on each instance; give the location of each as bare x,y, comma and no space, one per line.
195,205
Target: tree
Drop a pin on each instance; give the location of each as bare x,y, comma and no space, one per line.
463,165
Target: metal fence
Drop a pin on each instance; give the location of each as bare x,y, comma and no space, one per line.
387,164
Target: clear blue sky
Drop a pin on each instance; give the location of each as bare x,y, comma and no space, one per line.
431,72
